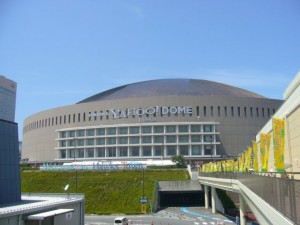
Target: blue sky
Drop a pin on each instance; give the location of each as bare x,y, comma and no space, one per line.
62,51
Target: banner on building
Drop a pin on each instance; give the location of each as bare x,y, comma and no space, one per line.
278,142
255,155
265,140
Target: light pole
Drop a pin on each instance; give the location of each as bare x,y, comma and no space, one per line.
75,140
162,150
211,147
143,187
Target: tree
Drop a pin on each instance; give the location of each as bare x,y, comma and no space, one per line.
179,160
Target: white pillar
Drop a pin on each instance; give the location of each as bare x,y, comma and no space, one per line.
206,196
242,210
213,200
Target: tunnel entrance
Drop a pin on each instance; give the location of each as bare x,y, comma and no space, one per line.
182,199
180,194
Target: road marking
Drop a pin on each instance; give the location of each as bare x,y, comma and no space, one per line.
201,215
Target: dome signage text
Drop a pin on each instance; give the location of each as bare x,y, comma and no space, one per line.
149,111
164,110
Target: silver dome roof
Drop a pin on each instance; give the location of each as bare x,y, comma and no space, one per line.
171,87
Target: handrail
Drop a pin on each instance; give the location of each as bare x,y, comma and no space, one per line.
282,194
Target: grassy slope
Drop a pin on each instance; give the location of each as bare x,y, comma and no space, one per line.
106,192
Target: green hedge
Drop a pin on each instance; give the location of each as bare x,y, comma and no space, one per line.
106,192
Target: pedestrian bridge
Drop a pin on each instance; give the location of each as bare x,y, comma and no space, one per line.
273,200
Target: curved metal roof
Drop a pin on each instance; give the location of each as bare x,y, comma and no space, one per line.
171,87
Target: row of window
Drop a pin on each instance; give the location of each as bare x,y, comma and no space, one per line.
133,130
137,140
235,111
136,151
200,111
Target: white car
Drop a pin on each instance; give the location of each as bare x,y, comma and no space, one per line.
121,221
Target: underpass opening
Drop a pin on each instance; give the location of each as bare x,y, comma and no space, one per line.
182,199
180,194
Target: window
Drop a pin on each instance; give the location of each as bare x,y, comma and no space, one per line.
101,141
158,139
183,128
90,132
158,151
183,138
80,142
207,149
90,153
111,141
134,140
72,133
196,150
101,131
63,144
81,133
146,139
239,111
208,138
263,112
101,152
171,139
212,111
245,111
146,151
195,128
184,150
251,111
81,153
171,129
123,140
73,142
207,128
158,129
111,131
232,111
63,154
195,138
72,154
135,151
219,111
171,150
225,110
204,110
123,130
146,130
90,142
63,134
257,112
123,151
134,130
112,152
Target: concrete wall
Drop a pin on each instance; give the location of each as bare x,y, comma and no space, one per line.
237,130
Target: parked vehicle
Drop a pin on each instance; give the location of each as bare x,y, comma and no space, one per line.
121,221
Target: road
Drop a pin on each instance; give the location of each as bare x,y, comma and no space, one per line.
168,216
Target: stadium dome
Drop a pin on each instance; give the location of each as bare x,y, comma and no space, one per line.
171,87
150,120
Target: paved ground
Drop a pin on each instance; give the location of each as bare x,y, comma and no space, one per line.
168,216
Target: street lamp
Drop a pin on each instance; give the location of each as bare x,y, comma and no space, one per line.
143,187
211,146
75,140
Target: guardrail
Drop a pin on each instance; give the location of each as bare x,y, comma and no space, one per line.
282,193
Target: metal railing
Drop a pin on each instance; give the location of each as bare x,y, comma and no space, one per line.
283,194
